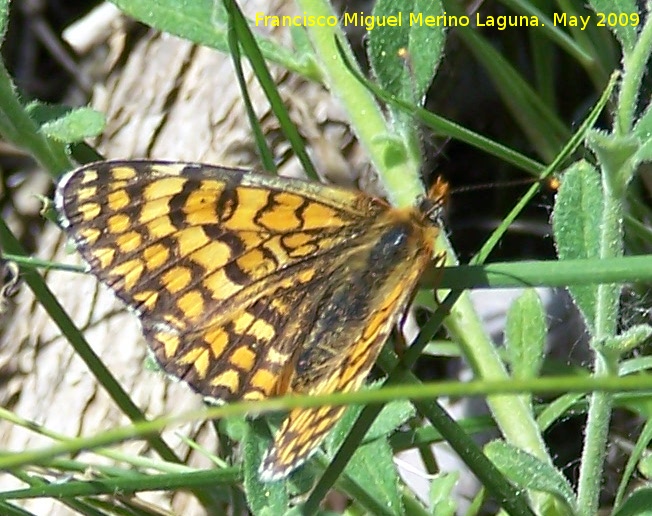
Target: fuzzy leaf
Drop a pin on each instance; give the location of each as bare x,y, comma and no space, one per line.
390,418
618,17
528,472
643,131
442,501
525,335
75,126
631,338
576,225
372,466
637,504
263,498
617,157
405,57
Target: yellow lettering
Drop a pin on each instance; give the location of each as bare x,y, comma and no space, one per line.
416,19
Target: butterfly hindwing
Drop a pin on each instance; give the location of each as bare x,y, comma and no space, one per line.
323,366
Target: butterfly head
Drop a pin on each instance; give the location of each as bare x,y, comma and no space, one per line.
431,206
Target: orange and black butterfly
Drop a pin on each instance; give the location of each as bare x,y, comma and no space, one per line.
250,286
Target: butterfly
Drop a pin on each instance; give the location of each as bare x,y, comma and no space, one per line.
248,285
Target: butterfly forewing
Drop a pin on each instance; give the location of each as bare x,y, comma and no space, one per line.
248,285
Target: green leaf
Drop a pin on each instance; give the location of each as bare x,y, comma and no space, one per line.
477,503
75,126
557,409
263,498
201,21
236,427
616,155
528,472
644,153
525,335
633,337
643,131
421,45
576,223
4,17
442,501
392,416
643,127
637,504
83,153
372,466
645,466
40,112
150,364
303,46
404,57
621,13
637,457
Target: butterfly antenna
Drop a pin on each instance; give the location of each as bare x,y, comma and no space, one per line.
551,182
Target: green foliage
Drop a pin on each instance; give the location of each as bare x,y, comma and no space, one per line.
579,209
372,466
616,12
441,494
265,499
525,335
530,473
74,126
404,58
643,131
638,504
